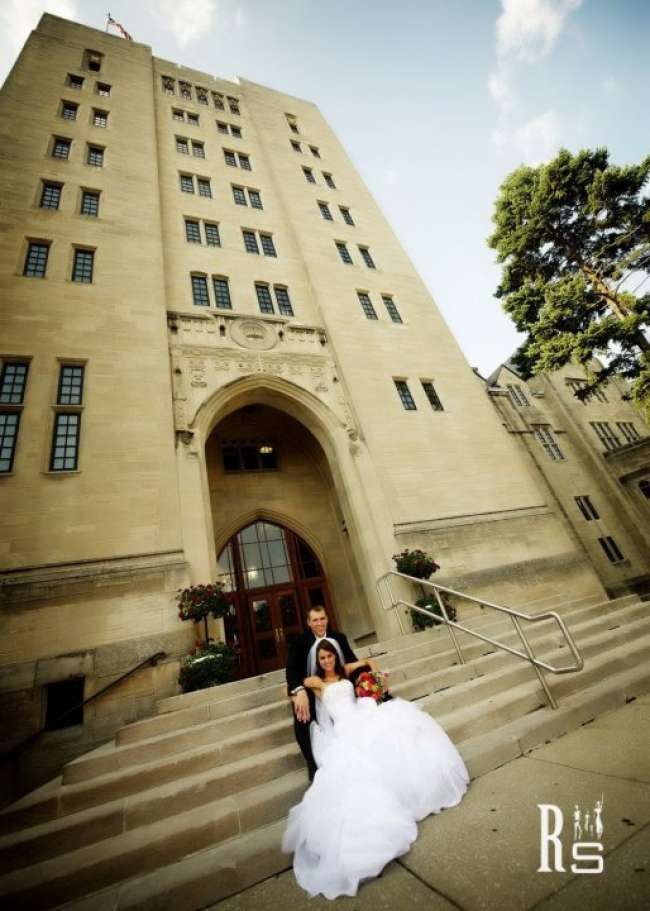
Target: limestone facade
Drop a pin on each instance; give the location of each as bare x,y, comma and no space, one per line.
190,339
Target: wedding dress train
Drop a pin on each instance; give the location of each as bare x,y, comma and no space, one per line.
381,768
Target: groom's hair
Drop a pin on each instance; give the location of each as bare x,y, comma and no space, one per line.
315,608
326,646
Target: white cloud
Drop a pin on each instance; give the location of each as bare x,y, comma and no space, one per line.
609,86
500,87
186,19
538,139
19,17
528,29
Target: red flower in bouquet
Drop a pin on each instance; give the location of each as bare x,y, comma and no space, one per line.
372,684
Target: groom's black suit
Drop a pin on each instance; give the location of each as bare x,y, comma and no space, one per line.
296,673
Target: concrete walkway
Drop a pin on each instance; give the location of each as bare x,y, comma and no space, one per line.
484,854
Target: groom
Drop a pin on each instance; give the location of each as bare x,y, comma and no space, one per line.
298,668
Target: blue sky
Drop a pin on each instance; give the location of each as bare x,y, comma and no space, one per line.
435,101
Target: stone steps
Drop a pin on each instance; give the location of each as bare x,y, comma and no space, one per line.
132,815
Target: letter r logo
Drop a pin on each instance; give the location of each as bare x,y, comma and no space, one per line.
550,837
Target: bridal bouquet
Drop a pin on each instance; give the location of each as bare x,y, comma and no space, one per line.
373,684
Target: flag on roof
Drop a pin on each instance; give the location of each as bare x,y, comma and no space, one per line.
120,28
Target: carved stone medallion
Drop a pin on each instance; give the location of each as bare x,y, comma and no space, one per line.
253,333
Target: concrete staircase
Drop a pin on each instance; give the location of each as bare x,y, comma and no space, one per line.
188,806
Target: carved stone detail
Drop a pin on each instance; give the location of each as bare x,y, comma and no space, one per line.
253,333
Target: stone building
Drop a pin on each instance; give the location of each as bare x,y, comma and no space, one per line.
217,360
594,457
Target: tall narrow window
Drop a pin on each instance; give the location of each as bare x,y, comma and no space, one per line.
192,231
100,118
255,199
329,180
204,186
295,145
71,380
168,85
405,395
65,439
182,145
325,211
264,298
629,431
95,156
268,247
391,308
347,218
587,508
50,195
250,242
222,292
192,119
82,266
229,158
187,183
90,202
432,395
343,251
200,291
36,259
13,380
517,395
309,175
69,110
239,196
546,439
212,237
9,422
222,127
233,105
245,162
217,100
606,435
283,301
367,258
314,151
366,305
61,147
235,131
201,95
611,549
198,149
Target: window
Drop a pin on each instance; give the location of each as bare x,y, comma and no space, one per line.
367,258
95,156
587,508
233,105
250,242
295,145
222,127
212,237
70,391
343,251
391,308
168,85
193,119
65,442
366,305
200,291
69,110
405,395
204,186
283,301
293,126
221,292
201,95
100,118
239,196
255,199
192,231
644,487
329,180
93,60
102,88
325,211
61,147
185,90
9,421
517,395
268,247
217,100
606,435
198,149
36,259
12,382
74,81
545,438
82,267
611,549
264,298
314,151
629,431
177,114
230,158
309,175
432,395
182,146
250,456
235,131
347,218
187,183
245,162
50,195
90,202
575,385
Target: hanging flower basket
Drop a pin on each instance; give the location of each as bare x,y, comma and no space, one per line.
208,665
415,563
198,602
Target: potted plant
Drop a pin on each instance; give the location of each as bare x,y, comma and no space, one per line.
421,565
197,602
430,604
208,665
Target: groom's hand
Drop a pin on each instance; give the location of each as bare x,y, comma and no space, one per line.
301,706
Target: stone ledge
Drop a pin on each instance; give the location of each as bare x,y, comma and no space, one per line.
404,528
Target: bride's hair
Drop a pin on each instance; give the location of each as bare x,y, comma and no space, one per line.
325,646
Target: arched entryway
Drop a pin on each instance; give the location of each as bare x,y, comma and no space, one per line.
274,576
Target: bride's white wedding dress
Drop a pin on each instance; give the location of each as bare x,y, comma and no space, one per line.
380,769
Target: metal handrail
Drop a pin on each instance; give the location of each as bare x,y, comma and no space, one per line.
152,659
514,615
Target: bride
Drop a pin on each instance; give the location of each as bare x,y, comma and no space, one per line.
381,768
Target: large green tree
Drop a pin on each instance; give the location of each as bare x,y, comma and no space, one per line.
573,236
